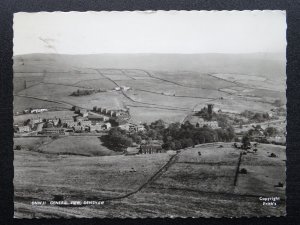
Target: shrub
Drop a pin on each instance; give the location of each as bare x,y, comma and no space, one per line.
243,171
18,147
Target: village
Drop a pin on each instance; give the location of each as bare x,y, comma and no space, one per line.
139,137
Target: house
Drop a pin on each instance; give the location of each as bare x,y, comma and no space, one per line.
97,127
85,123
199,122
83,113
150,149
79,118
106,126
32,122
78,128
211,124
39,126
23,129
52,131
94,117
25,111
54,121
132,127
115,114
70,123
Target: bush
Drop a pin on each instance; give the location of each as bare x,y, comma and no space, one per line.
18,147
243,171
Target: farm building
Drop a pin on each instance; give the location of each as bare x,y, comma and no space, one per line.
38,110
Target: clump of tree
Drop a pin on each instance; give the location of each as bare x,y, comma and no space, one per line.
255,117
81,92
270,132
117,139
174,137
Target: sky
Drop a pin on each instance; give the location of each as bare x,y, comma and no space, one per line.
181,32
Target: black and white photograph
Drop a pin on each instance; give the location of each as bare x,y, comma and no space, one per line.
149,114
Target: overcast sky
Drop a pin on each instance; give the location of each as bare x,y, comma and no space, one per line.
150,32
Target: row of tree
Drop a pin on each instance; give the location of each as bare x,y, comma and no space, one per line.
85,92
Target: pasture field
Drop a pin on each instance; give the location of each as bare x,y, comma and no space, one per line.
149,114
77,145
190,186
21,103
118,77
31,143
165,100
193,79
97,83
237,104
66,114
69,78
41,176
159,87
152,90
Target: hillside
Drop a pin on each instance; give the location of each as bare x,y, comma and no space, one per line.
251,64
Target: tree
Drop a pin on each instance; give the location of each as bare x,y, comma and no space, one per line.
246,142
59,123
270,131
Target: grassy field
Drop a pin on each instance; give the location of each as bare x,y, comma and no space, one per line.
149,114
191,186
161,88
77,145
21,103
68,145
31,143
45,115
41,176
